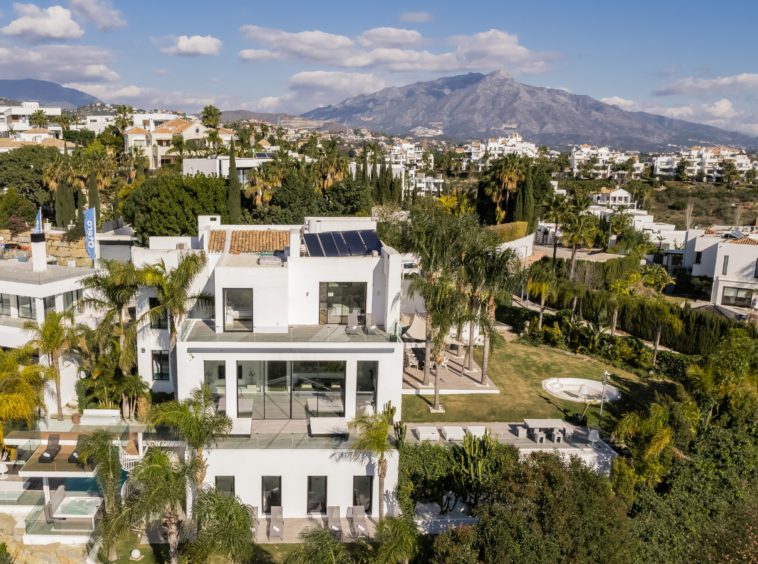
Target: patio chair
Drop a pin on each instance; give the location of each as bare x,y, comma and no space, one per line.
53,448
352,327
594,437
276,528
568,434
556,437
539,437
411,360
371,324
73,458
334,522
444,363
357,519
521,432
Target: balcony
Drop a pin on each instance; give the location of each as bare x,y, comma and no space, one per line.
204,331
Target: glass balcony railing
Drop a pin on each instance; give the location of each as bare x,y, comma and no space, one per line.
196,330
37,523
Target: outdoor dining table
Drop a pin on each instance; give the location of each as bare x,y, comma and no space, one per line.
551,425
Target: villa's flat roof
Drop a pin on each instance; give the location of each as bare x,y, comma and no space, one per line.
13,271
204,331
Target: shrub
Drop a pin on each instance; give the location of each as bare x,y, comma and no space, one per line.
508,232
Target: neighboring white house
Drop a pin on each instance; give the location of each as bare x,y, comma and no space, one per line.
36,136
281,359
406,153
615,199
605,161
219,165
18,118
157,142
496,148
708,160
148,122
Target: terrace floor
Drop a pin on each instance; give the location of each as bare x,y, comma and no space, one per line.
293,528
453,380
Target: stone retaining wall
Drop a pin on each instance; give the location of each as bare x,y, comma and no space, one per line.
56,247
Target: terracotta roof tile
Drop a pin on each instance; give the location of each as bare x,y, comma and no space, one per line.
37,130
217,241
137,130
744,241
709,231
257,241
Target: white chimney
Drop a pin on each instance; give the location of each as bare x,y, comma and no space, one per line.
294,242
39,253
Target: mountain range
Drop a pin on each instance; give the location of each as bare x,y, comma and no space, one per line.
479,106
46,93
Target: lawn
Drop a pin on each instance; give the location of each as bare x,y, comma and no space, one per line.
518,371
158,553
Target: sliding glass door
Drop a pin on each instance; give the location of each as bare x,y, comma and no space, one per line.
238,309
272,493
338,299
317,494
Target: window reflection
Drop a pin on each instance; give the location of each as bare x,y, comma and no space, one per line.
238,309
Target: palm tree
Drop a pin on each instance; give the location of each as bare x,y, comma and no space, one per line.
374,438
398,540
318,546
124,117
224,527
657,277
22,388
503,178
555,211
471,278
38,119
579,230
195,421
54,338
542,283
175,299
178,145
502,273
664,318
134,387
655,426
160,493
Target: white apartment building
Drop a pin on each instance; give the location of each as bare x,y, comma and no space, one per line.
615,199
513,144
606,158
148,121
157,143
282,357
18,118
28,291
36,136
219,165
405,153
707,160
423,183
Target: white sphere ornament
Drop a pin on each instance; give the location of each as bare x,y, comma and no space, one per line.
135,553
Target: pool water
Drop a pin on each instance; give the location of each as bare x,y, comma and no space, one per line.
79,506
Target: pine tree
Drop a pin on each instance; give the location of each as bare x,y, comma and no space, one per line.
94,197
529,207
234,190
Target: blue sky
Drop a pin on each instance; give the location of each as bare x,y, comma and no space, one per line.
680,60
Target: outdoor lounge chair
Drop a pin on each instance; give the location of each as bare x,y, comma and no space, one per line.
73,458
276,527
371,324
357,519
334,522
352,324
53,448
52,506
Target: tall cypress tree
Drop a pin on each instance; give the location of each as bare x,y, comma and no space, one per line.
65,207
364,159
234,190
518,211
94,196
374,176
80,208
529,207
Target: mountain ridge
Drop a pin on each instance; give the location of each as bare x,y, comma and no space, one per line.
475,105
47,93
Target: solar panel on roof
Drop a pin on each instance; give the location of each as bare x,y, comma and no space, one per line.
313,244
371,240
341,245
327,242
354,243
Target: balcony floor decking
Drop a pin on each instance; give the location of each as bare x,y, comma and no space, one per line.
293,528
204,331
453,379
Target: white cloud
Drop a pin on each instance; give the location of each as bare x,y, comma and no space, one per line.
194,46
481,51
149,98
691,85
721,114
98,12
58,63
416,17
163,72
308,90
40,26
389,37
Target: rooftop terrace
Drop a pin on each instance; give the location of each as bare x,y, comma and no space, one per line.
204,331
13,271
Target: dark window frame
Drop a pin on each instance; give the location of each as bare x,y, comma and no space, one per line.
308,495
371,493
160,323
737,300
266,509
32,307
5,304
698,257
725,268
160,375
230,494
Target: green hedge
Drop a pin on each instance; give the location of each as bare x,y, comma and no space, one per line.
607,272
82,137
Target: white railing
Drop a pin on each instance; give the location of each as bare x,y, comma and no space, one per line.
126,489
128,461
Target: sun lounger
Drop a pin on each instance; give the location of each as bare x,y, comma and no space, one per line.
53,448
73,458
427,434
352,324
370,324
357,519
333,521
52,506
276,528
453,433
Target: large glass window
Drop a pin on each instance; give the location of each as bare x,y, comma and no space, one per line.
726,265
160,365
5,304
317,494
365,394
272,493
49,302
215,377
160,323
27,308
362,489
251,379
338,299
318,389
277,402
225,485
238,309
70,299
739,297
